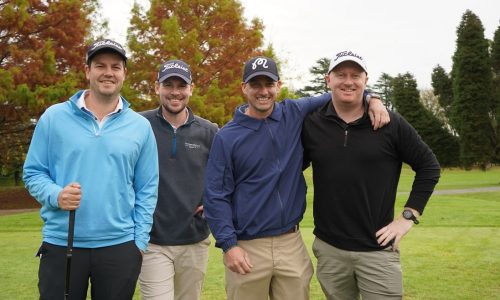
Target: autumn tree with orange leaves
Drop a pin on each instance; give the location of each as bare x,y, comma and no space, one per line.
42,50
210,35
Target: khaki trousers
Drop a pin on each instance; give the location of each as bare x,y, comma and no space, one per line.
347,275
282,270
174,272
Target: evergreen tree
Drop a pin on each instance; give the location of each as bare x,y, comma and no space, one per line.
443,89
210,35
383,87
472,93
495,62
318,83
431,103
433,132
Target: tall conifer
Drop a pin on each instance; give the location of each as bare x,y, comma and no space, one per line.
495,62
405,96
472,93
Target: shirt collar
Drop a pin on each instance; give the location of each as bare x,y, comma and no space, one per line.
330,109
252,123
185,121
81,103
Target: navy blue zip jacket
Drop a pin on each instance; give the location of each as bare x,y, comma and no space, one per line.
254,183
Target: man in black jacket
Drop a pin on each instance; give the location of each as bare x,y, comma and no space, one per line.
175,264
356,172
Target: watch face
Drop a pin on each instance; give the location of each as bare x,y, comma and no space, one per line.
407,214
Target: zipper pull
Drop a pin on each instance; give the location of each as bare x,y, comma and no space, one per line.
345,138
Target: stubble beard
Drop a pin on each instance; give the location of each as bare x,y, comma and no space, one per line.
173,112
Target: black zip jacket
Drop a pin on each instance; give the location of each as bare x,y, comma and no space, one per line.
356,172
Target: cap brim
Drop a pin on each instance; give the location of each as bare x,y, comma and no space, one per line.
187,80
338,62
107,49
268,74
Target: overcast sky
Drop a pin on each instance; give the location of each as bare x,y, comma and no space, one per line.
394,36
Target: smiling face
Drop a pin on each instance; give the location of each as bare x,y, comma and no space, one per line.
106,74
347,82
260,92
174,94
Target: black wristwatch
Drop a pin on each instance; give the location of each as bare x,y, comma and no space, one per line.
370,95
408,215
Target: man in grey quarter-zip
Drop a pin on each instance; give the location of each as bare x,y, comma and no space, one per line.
174,265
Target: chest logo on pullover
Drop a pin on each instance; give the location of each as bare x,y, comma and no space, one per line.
192,146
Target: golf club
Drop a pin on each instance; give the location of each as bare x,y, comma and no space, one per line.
69,251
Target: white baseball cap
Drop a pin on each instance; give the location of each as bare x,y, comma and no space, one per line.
342,56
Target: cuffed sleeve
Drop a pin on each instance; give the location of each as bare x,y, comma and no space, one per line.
219,187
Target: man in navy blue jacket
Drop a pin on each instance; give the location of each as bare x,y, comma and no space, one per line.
255,191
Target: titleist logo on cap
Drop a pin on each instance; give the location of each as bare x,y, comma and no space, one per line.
177,68
347,53
106,43
174,66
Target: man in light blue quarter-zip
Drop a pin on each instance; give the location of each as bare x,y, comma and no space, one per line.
95,155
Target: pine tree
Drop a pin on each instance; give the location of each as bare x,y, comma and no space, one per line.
495,62
384,88
472,93
443,88
211,36
406,100
431,103
318,83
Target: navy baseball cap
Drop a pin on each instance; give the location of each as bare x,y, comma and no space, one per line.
260,66
342,56
109,45
175,68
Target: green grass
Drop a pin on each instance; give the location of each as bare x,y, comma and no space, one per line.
453,254
8,181
455,179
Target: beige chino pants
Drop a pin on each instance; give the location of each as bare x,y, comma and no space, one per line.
282,270
174,272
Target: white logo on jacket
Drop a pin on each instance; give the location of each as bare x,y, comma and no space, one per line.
192,146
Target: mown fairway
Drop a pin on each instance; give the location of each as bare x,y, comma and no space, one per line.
453,254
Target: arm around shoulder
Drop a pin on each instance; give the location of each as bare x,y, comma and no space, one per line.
310,104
